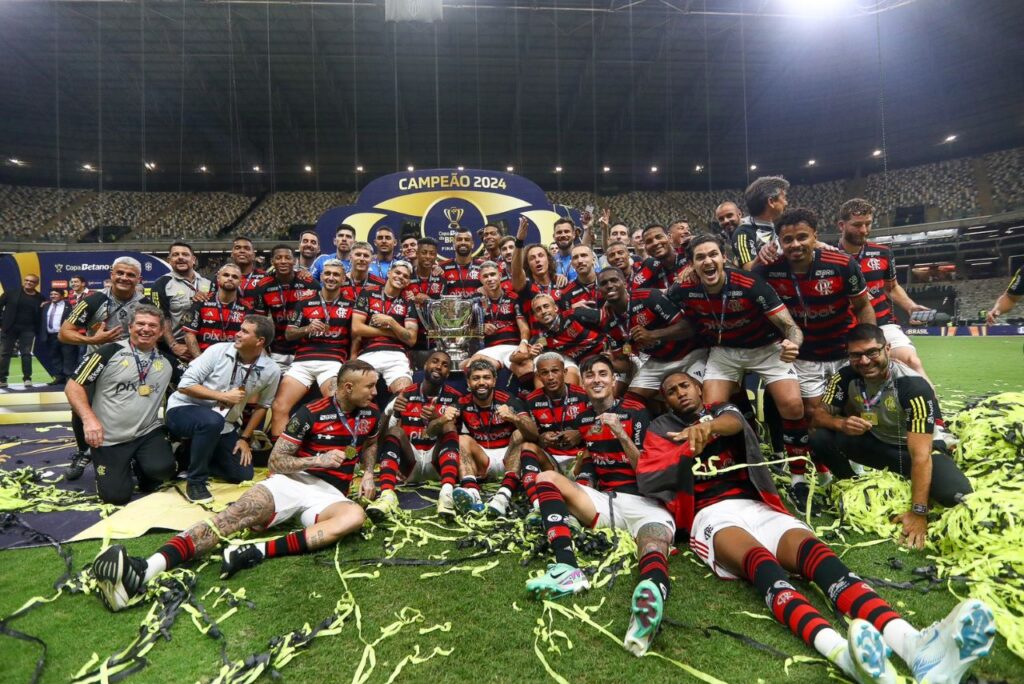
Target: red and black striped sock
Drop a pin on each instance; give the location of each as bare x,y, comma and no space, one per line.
795,440
852,595
469,482
448,458
554,513
654,567
788,605
292,544
390,454
530,465
510,482
177,550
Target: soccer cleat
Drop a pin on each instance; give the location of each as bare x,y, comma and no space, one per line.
445,502
533,520
648,607
240,558
946,649
3,385
467,501
198,492
386,506
497,507
798,494
868,655
119,577
560,580
79,461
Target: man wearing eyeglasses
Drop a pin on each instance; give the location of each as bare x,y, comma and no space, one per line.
881,413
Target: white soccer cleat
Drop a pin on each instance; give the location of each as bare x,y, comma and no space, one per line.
445,502
867,655
945,650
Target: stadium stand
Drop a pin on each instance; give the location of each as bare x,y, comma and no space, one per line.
948,186
24,211
282,210
1006,174
202,215
975,297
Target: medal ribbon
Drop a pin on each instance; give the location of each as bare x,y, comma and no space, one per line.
725,300
341,419
143,372
873,401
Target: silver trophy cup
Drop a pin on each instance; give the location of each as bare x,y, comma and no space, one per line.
452,324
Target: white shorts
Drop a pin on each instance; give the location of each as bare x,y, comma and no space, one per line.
895,336
300,494
423,469
764,523
653,372
308,372
283,360
814,375
496,467
629,511
730,363
502,353
392,365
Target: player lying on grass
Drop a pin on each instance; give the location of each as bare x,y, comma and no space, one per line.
421,442
312,465
613,431
737,524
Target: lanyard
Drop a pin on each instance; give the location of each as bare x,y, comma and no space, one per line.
800,295
143,371
118,308
725,299
564,401
863,387
248,372
622,327
327,312
220,316
249,279
341,419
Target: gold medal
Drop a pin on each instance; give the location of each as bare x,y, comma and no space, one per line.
870,416
627,349
542,341
145,390
350,453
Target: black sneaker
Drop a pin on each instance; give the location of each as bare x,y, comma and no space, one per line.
798,494
239,558
119,577
79,462
198,492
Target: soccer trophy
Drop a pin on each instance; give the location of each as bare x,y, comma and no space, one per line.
452,323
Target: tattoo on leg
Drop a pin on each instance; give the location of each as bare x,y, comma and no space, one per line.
255,507
653,537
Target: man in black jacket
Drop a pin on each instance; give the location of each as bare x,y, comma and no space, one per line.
20,316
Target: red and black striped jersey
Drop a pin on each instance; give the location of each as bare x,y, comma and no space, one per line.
247,287
526,295
558,415
213,321
572,337
879,269
737,316
483,424
649,309
277,299
612,468
819,300
1016,286
373,301
370,281
333,344
432,286
656,274
576,292
411,419
505,315
321,426
711,486
461,280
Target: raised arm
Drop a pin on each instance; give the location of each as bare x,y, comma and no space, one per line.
519,257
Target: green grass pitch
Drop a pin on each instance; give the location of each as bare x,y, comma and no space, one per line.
492,620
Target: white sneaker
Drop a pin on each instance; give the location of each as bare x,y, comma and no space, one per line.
866,656
445,502
946,649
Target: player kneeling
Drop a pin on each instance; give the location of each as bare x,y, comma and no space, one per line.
705,463
421,443
313,463
613,432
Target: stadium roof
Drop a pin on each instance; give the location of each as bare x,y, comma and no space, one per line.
723,84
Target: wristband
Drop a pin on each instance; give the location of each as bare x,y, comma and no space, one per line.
245,439
520,244
919,509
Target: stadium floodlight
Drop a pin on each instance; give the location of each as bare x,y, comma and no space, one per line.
88,167
654,169
307,168
698,168
753,167
410,167
461,168
812,162
14,161
816,8
510,169
558,169
256,168
876,153
950,138
150,166
606,169
203,169
359,169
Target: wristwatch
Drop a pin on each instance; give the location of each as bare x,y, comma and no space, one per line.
919,509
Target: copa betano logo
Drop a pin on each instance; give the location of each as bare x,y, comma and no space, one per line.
441,202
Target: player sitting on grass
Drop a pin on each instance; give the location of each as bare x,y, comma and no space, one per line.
312,465
613,432
421,441
738,526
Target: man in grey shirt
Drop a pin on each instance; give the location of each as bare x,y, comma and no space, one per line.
117,391
208,406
